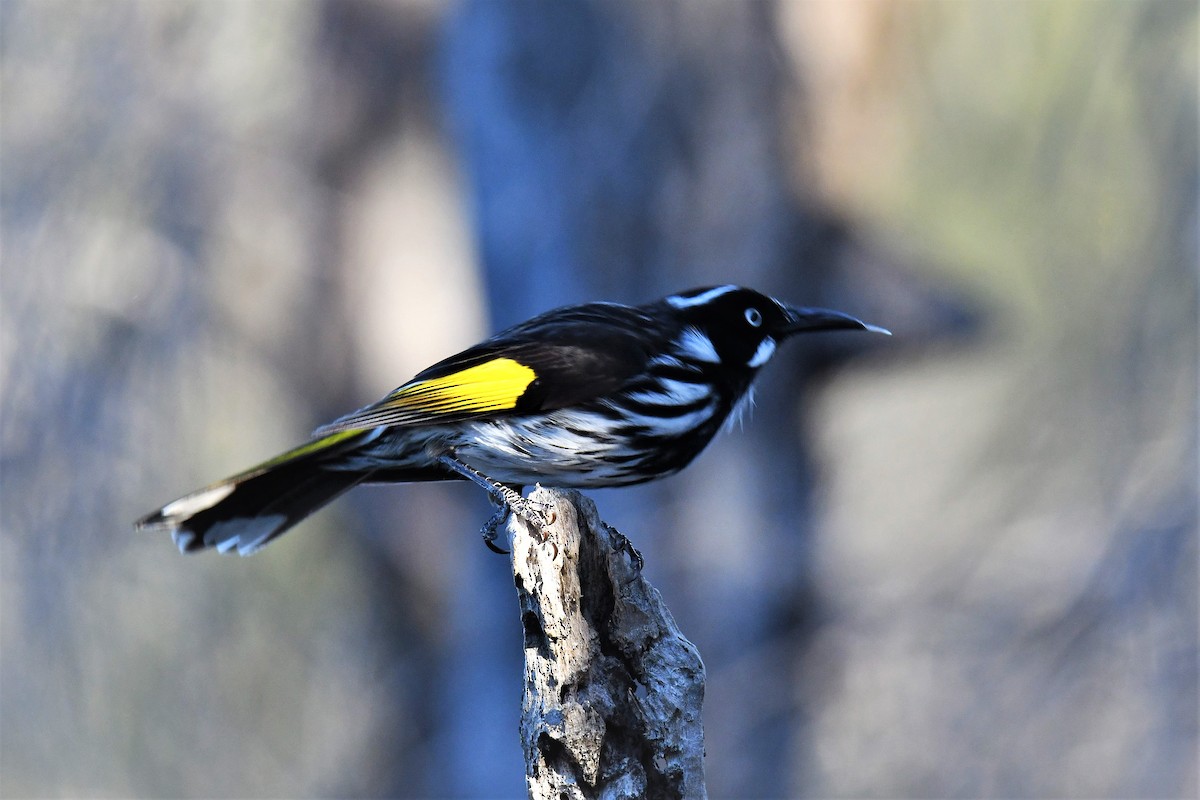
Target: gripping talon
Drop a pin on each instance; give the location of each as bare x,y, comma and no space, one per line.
508,498
526,511
491,530
623,543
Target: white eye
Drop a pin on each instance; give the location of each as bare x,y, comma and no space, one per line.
754,316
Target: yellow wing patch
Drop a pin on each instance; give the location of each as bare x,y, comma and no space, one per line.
494,385
491,386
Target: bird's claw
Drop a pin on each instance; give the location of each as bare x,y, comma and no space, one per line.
540,518
623,543
512,502
491,530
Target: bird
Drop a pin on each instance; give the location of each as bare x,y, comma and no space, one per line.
585,396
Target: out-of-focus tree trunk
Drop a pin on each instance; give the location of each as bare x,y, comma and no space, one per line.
621,151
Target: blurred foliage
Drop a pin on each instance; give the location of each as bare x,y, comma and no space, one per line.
203,257
1019,593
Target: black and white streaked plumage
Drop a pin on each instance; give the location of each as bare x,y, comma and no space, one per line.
586,396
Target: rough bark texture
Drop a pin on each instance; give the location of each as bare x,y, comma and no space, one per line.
613,690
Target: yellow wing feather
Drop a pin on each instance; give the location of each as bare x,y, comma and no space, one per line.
494,385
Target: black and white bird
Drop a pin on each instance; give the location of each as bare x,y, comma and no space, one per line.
586,396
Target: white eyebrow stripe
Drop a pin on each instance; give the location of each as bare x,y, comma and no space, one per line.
678,301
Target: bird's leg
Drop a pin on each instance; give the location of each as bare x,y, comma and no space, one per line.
504,495
623,543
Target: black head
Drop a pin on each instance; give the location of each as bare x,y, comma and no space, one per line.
740,327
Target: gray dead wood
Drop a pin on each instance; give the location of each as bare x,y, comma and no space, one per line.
613,690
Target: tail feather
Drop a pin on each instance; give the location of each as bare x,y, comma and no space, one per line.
248,510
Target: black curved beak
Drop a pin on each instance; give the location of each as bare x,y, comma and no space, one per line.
802,320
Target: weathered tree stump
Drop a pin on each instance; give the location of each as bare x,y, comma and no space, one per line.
613,690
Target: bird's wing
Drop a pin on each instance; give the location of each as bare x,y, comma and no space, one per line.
544,364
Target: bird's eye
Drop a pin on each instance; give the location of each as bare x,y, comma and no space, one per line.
754,316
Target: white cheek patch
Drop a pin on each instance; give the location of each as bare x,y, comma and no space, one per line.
763,354
698,347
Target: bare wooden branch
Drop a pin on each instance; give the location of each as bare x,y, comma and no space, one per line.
612,688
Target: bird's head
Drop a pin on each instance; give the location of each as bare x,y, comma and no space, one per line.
740,327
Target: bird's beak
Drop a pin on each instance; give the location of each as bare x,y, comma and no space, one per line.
800,320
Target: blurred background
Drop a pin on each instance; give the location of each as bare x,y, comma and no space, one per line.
957,563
